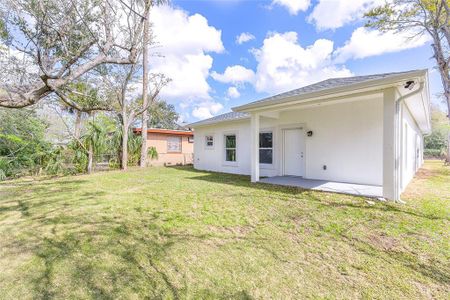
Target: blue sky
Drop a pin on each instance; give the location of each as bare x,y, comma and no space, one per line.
294,43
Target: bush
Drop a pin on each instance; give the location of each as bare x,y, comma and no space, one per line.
434,153
23,148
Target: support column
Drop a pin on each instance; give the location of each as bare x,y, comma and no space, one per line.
391,189
254,147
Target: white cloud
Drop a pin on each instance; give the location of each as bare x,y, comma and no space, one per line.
244,37
233,92
206,110
293,6
184,42
332,14
283,64
234,74
365,42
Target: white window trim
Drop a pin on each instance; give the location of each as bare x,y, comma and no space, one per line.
214,141
265,165
230,163
180,141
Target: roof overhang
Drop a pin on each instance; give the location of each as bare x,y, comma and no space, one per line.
419,104
324,95
166,131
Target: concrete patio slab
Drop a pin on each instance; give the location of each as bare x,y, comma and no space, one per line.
326,186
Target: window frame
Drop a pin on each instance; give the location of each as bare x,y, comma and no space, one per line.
224,154
266,148
206,141
180,143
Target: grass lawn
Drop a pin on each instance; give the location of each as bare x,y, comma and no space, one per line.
181,233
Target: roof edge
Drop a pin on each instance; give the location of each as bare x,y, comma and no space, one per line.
342,89
207,122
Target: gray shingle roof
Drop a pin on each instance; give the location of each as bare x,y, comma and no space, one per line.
329,84
222,118
321,86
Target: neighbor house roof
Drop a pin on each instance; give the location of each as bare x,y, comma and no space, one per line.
322,88
166,131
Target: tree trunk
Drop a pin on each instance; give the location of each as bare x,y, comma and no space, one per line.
77,130
90,158
145,88
444,74
124,145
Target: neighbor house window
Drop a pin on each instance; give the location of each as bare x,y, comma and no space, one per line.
209,139
230,147
265,148
174,144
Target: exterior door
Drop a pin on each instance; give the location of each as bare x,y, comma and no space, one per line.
294,155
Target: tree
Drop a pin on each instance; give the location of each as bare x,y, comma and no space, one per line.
421,17
128,107
22,142
53,43
162,115
86,96
146,41
437,140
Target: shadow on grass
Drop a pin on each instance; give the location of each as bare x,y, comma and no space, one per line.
435,271
244,181
32,196
104,257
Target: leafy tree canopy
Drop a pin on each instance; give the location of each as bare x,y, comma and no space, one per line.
22,142
437,140
163,115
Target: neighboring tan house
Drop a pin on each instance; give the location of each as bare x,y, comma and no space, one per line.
174,147
365,131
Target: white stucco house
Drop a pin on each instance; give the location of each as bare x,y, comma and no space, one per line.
364,130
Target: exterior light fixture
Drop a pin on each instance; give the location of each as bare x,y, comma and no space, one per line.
410,84
309,133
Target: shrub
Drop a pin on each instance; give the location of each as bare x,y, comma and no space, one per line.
434,153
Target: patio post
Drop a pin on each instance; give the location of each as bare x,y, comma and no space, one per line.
254,146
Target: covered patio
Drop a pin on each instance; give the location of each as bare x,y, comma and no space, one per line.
326,186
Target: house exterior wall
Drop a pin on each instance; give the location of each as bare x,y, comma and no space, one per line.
411,141
159,141
347,138
213,158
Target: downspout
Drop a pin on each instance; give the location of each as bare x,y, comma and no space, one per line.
399,144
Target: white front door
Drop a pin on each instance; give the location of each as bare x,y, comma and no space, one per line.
294,145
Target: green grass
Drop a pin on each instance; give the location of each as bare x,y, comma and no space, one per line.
181,233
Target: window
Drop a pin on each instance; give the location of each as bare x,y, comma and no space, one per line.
230,147
174,144
265,147
190,139
209,139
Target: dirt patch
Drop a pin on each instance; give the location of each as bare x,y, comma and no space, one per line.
424,289
425,173
235,231
384,242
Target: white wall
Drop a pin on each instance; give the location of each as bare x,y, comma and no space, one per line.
213,159
411,143
347,138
